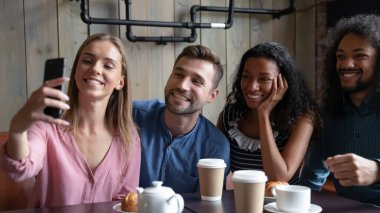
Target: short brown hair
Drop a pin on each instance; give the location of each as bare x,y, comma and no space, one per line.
204,53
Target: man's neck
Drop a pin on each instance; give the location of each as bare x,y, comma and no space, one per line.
358,98
180,124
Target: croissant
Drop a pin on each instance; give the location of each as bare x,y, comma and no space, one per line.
129,202
270,184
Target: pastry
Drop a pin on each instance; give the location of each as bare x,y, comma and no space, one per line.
129,202
269,185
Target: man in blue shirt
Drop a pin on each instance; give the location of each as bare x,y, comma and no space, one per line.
350,145
174,134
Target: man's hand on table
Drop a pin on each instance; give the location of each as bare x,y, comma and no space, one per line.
353,170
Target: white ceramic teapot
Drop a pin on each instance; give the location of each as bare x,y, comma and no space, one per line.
159,199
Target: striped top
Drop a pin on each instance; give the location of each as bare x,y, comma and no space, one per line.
245,151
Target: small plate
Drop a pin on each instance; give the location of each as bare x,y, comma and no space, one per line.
271,207
117,207
268,199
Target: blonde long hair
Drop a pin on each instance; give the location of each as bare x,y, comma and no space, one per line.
119,109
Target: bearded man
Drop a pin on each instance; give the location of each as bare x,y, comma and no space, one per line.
349,149
175,135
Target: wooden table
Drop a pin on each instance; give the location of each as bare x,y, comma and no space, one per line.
105,207
328,201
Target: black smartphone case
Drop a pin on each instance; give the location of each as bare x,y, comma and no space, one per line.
54,68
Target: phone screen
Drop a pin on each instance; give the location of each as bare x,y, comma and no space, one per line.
54,68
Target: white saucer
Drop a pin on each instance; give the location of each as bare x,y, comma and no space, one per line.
268,199
271,207
117,207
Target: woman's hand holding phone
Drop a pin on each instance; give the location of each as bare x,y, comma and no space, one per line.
33,110
46,102
54,68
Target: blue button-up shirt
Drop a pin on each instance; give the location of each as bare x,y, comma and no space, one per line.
358,131
174,161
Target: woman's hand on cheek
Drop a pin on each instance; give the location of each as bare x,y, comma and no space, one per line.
279,88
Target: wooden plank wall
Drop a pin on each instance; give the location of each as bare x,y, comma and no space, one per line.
33,30
13,82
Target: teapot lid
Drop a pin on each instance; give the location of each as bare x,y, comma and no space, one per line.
158,188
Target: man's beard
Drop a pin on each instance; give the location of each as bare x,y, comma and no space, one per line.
360,85
179,110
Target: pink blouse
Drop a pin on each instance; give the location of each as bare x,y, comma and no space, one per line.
62,174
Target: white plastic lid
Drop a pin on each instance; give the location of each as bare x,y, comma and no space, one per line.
211,163
249,176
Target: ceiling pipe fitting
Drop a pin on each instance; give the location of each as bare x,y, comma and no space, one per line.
192,25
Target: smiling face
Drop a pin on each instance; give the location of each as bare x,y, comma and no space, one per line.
257,79
190,86
98,72
356,59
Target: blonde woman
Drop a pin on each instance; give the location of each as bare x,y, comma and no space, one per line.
90,154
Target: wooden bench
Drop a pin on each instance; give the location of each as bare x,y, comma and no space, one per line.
13,195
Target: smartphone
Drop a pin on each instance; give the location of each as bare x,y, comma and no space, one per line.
54,68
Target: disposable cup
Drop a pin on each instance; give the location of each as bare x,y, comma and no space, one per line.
249,189
211,177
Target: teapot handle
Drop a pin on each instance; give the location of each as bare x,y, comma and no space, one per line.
139,190
180,202
273,190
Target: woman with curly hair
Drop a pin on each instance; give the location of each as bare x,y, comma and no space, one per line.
270,115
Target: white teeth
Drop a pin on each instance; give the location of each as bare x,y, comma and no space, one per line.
180,96
349,75
93,81
254,96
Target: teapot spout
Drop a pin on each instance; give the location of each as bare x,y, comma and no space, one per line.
176,200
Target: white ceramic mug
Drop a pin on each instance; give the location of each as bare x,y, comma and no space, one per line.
292,198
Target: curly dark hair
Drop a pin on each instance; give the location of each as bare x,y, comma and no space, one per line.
364,25
297,100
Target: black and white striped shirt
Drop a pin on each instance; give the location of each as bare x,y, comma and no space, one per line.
242,158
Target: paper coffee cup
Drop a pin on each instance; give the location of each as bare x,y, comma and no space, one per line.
211,177
249,189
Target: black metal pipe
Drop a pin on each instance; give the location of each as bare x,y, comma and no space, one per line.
230,14
289,10
192,25
241,10
230,10
129,33
84,13
158,39
275,13
89,20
